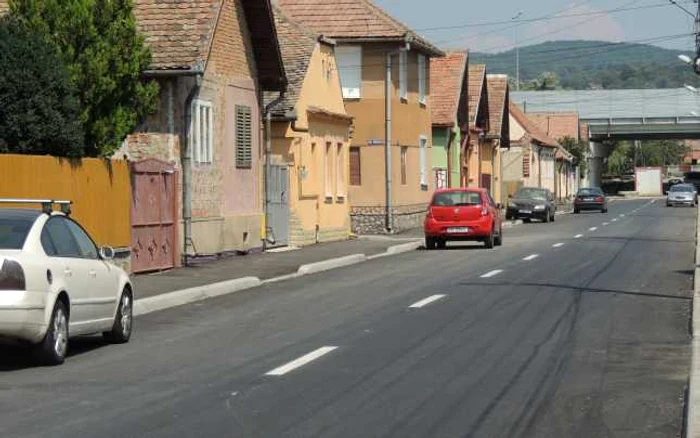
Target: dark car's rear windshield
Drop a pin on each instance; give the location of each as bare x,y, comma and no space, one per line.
538,194
456,198
590,192
682,188
14,227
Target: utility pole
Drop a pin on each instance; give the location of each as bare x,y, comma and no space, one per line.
517,52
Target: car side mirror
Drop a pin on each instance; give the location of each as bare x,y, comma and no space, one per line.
107,252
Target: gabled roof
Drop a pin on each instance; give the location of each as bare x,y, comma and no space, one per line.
180,34
477,82
297,45
497,88
532,131
359,20
557,125
447,78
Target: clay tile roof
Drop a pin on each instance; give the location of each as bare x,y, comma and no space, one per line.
297,45
179,32
531,129
477,77
352,19
447,77
557,125
497,88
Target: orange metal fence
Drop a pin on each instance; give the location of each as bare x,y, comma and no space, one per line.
100,190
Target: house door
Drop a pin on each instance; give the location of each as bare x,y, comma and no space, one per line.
153,216
278,215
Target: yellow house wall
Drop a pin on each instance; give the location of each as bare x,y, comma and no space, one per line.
410,121
319,211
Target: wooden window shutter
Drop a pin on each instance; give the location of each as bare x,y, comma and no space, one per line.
355,167
526,164
244,137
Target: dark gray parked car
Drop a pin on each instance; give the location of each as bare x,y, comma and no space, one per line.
532,203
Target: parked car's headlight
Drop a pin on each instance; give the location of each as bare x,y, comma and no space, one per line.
539,207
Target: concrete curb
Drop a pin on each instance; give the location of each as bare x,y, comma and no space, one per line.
399,249
185,296
326,265
693,401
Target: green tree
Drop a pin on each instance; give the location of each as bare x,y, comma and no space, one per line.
545,81
105,55
579,149
39,113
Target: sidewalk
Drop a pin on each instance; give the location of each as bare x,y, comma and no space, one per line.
261,265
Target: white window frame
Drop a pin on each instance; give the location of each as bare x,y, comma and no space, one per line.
422,78
348,60
403,74
423,154
202,132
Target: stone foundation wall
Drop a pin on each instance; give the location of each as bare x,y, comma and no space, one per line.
372,220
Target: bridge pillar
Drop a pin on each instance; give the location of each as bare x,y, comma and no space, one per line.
596,156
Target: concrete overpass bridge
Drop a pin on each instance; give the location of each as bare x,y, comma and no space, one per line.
648,114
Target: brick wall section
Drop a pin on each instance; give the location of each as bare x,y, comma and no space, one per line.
232,52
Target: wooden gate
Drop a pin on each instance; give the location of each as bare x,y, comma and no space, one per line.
153,216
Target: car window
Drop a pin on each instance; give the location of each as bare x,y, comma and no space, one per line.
531,193
590,192
57,239
447,199
13,232
87,247
682,189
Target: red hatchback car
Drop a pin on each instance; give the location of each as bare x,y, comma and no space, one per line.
466,214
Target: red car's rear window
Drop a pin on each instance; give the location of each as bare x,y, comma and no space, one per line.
447,199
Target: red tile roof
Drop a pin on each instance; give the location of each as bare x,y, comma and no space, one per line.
179,32
557,125
477,82
353,19
447,78
532,131
297,45
497,89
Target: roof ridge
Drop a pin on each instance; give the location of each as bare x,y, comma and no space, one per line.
398,25
279,13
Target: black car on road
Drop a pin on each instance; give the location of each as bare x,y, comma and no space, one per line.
590,198
532,203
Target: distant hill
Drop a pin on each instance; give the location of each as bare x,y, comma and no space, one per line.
594,65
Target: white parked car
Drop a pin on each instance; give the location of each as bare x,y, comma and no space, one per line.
56,284
682,194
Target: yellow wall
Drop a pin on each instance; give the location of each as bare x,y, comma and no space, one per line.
410,120
100,191
313,202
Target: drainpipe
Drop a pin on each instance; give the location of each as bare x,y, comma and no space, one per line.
187,167
451,135
266,173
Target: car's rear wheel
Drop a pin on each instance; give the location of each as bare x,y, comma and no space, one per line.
429,243
547,217
441,243
123,321
53,349
577,211
490,240
527,220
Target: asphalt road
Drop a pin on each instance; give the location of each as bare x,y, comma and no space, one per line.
551,335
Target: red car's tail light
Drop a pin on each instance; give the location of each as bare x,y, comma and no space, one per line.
429,215
12,276
599,199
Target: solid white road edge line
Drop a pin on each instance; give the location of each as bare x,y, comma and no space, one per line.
492,273
296,363
531,257
426,301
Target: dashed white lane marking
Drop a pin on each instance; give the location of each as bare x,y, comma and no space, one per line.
303,360
614,220
605,224
530,257
492,273
426,301
557,245
578,236
592,228
622,215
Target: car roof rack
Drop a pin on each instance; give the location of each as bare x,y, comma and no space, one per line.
46,204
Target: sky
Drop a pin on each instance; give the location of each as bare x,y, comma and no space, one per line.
472,24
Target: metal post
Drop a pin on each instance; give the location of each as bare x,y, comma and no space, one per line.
517,52
387,144
266,176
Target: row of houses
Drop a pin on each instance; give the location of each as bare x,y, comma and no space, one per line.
290,124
